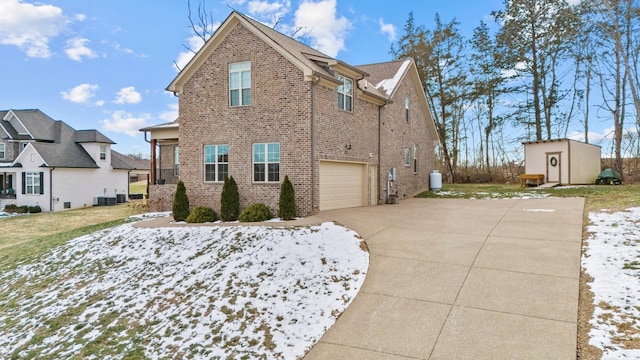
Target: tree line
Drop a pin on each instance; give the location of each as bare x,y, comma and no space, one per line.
538,69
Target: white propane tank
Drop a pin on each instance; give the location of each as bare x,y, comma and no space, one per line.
435,181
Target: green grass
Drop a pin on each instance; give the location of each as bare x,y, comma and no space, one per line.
597,197
138,187
24,238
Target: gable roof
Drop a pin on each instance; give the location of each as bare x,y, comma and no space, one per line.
315,65
387,75
120,161
28,124
64,153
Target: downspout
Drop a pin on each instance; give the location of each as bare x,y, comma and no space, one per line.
379,147
313,146
51,188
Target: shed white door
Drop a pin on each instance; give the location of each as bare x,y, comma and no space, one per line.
342,185
554,171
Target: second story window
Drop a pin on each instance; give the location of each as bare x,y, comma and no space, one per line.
345,93
103,152
240,84
2,152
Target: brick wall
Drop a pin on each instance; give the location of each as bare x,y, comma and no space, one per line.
279,113
398,134
283,108
161,197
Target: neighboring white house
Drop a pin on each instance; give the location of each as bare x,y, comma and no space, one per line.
51,165
563,161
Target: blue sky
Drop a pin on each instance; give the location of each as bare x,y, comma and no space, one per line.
105,64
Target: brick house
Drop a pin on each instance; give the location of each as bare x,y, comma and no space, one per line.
258,105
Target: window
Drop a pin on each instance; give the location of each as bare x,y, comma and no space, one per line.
406,108
103,152
23,145
345,93
407,157
266,162
31,183
2,151
240,84
176,161
415,158
216,162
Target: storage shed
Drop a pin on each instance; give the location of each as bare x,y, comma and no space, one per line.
563,161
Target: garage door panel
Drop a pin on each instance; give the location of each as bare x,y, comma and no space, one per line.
341,185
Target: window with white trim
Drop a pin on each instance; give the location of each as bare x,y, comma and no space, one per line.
266,162
103,152
415,158
345,94
406,107
240,84
216,162
32,183
2,151
407,157
176,161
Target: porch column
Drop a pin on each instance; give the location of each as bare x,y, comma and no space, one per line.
153,161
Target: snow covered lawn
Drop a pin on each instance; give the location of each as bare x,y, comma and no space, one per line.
612,258
186,292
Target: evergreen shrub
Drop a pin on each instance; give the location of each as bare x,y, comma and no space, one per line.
255,213
180,203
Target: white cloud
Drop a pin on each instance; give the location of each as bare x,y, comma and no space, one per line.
76,49
171,114
327,32
126,123
128,95
81,17
388,29
80,94
274,11
194,43
30,26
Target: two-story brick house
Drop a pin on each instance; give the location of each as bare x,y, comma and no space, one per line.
47,163
258,105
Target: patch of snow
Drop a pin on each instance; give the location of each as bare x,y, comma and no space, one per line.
150,215
204,292
389,84
612,258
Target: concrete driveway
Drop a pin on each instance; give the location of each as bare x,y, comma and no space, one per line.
463,279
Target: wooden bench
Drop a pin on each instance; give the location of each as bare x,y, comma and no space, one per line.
539,178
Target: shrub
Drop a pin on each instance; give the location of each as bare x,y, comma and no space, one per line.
230,200
22,209
180,203
34,209
287,205
255,213
202,214
11,208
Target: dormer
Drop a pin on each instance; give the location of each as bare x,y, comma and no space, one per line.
96,145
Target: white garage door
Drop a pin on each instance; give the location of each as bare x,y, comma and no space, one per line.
342,185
